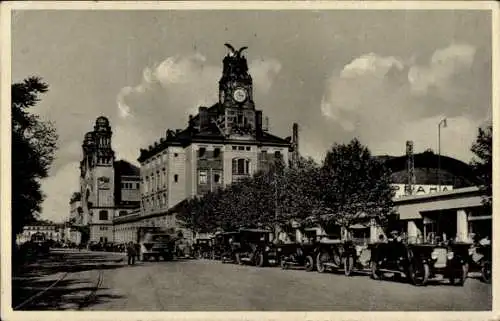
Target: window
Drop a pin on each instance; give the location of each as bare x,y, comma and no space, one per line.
235,147
216,152
202,177
176,178
248,148
201,152
241,148
164,177
175,154
216,178
137,185
103,215
277,154
241,166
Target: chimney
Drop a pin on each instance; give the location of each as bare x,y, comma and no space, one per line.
203,111
258,122
265,125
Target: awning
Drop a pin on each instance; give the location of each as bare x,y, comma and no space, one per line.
479,218
359,226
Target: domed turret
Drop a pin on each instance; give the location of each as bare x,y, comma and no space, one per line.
89,139
102,124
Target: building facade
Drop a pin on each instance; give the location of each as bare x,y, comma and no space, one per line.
108,188
222,144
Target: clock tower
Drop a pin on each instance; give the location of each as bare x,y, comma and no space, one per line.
236,94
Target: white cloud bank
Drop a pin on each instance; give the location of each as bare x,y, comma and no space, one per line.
386,101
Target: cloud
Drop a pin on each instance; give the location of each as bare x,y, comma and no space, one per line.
439,73
168,93
384,101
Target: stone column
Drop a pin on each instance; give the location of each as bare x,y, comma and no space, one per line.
373,231
412,231
462,226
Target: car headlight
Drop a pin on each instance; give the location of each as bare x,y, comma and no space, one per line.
279,249
434,255
449,255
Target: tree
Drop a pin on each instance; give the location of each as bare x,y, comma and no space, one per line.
482,162
34,143
355,187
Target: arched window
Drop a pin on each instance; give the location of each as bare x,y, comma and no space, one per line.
103,215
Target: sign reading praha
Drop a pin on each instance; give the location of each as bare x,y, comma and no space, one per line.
417,189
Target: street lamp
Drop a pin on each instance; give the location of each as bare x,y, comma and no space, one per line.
441,123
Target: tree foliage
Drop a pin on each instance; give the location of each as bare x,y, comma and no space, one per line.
348,188
34,143
355,186
482,163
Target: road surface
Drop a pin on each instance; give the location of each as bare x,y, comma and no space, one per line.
204,285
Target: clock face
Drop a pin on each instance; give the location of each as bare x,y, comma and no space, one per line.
240,95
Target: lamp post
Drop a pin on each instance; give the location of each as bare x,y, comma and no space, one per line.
441,123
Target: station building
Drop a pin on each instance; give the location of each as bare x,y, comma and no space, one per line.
109,188
222,144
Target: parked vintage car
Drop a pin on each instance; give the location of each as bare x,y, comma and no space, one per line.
397,258
480,260
254,247
297,254
203,248
224,248
335,254
421,262
360,258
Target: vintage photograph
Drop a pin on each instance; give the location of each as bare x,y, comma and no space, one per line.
246,159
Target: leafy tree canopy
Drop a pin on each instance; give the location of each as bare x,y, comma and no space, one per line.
482,163
34,143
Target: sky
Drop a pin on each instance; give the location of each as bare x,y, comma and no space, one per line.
383,76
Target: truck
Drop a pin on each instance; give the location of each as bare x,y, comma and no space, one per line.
155,242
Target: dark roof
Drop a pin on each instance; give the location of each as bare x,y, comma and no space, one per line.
427,162
124,168
209,133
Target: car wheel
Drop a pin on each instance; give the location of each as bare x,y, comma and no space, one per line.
238,259
283,263
463,276
309,263
348,263
322,258
419,273
375,272
486,272
260,260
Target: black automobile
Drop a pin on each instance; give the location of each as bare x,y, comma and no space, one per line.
480,260
254,247
297,254
421,262
203,248
397,258
335,254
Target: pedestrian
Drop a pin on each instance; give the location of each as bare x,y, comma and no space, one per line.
137,247
131,253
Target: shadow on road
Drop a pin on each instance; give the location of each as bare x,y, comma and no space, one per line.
30,279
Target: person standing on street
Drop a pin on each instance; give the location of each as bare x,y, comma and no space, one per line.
131,253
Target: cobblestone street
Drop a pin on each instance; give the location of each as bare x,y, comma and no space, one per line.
97,281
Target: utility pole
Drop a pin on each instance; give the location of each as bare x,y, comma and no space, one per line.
443,123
